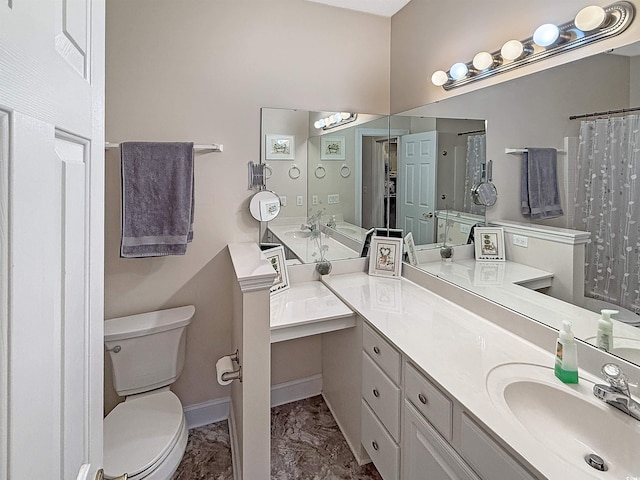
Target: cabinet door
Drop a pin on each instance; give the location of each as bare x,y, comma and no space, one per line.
426,455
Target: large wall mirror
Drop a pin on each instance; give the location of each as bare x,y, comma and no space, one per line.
535,111
400,172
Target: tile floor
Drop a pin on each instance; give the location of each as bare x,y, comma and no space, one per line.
306,443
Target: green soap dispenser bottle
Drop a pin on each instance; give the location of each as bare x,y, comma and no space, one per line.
566,367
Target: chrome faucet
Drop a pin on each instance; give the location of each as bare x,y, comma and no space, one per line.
617,393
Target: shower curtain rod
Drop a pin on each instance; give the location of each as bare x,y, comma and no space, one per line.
610,112
469,133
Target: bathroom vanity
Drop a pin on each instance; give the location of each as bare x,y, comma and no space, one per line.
442,389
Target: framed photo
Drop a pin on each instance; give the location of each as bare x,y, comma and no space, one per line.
332,148
276,258
385,259
489,244
410,246
280,147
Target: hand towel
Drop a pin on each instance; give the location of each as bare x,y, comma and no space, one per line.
157,198
540,198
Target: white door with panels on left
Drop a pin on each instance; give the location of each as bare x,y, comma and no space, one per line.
51,237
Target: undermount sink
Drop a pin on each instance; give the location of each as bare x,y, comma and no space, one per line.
298,234
567,420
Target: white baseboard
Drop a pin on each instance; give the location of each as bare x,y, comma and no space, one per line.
206,413
355,449
217,410
295,390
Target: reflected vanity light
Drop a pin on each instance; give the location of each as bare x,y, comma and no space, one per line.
335,120
591,24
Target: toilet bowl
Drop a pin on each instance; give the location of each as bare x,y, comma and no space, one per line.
146,435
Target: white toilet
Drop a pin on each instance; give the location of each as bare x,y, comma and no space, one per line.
146,435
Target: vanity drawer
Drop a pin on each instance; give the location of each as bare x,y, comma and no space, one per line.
384,452
382,395
429,401
381,351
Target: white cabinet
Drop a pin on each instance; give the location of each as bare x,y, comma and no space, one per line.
381,395
424,450
413,430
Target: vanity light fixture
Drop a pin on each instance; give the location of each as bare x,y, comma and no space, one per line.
335,119
591,24
546,35
483,61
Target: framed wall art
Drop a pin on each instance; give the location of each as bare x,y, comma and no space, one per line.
489,244
332,148
410,246
385,258
280,147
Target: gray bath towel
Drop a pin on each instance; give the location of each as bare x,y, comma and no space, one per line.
539,184
157,198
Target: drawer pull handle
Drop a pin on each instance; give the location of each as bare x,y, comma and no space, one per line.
422,398
376,350
374,444
376,393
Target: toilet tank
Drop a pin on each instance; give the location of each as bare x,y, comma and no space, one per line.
147,350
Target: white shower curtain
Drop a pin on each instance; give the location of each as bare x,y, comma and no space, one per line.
607,204
476,158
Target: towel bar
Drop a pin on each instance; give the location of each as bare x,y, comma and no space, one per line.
213,146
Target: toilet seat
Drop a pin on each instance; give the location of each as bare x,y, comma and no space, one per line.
140,433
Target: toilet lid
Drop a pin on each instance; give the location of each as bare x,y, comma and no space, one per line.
139,432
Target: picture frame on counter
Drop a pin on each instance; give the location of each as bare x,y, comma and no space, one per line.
489,244
385,258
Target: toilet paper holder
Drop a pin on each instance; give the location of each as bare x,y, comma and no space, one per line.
236,374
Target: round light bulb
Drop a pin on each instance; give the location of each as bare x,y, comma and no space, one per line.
439,78
458,70
512,50
590,18
546,35
483,61
337,118
317,124
345,115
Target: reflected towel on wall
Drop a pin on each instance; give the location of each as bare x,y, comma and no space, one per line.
540,197
157,198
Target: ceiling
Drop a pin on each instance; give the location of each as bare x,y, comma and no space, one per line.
385,8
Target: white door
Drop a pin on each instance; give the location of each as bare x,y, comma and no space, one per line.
51,231
416,196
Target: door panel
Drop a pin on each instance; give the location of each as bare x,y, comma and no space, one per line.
417,186
51,86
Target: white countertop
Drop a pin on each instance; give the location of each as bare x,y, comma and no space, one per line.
307,309
477,276
307,249
505,284
457,349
